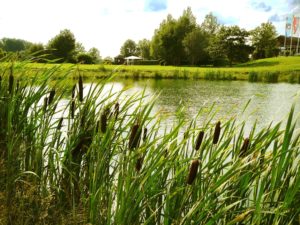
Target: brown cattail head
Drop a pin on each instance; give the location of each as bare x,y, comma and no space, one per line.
193,171
80,89
135,136
51,96
72,109
45,104
73,91
217,133
11,81
59,125
199,140
117,109
103,121
245,147
139,163
145,134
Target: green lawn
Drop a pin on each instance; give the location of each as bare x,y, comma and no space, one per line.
285,69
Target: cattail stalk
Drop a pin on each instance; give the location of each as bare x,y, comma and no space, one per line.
45,104
193,171
217,133
145,134
51,96
11,81
80,89
103,122
59,125
199,140
135,136
139,164
245,147
72,109
73,91
117,109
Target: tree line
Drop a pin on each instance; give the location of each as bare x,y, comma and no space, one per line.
63,48
184,42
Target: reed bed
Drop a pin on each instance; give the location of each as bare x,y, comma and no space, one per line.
71,155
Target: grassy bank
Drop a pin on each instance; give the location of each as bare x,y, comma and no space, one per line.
279,69
75,156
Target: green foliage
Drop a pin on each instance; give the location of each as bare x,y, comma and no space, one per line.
210,25
264,41
167,42
14,45
62,46
95,54
85,58
271,77
195,44
229,43
129,48
144,48
253,76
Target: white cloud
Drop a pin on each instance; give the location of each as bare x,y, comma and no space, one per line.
106,24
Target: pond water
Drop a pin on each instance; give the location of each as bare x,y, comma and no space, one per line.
269,102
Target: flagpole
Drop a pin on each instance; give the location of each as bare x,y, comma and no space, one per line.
298,31
292,30
298,44
286,20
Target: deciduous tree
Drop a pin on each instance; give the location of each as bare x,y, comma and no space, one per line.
62,46
264,41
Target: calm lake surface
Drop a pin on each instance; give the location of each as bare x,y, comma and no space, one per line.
269,102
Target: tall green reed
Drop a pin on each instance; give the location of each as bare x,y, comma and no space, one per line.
83,154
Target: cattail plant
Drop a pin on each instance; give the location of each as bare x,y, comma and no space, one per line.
245,147
11,81
117,109
139,164
59,124
45,104
73,91
103,121
51,96
135,136
217,133
193,171
80,89
145,134
72,108
199,140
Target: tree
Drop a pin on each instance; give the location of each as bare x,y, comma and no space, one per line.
62,46
210,24
264,41
144,48
95,54
167,42
14,45
129,48
195,44
37,50
230,44
85,58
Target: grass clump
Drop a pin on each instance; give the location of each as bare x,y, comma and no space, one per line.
101,157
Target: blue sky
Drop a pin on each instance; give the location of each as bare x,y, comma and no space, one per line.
106,24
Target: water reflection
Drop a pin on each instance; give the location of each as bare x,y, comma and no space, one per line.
269,102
